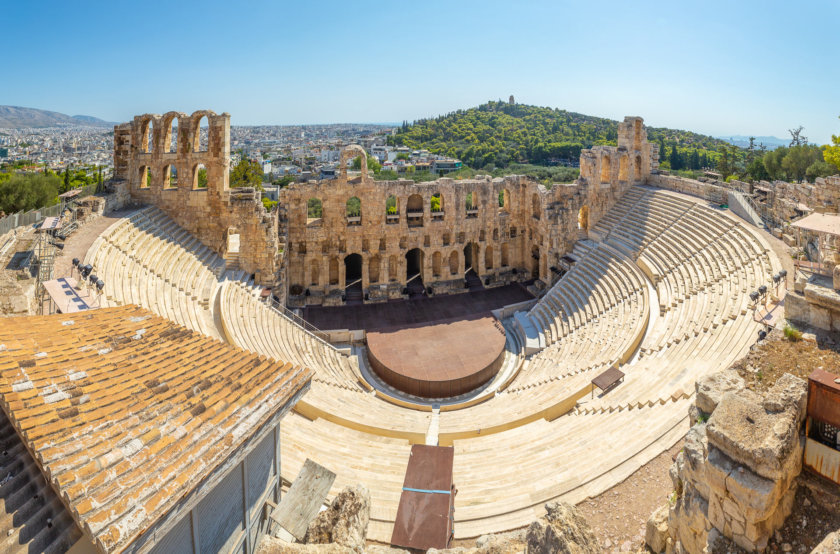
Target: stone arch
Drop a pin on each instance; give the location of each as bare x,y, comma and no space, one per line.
314,210
200,141
147,134
374,268
414,204
504,201
453,262
315,272
392,268
348,155
436,203
637,169
414,263
170,177
353,210
171,132
144,176
488,257
392,205
505,253
536,207
436,264
333,271
199,179
605,168
623,170
470,202
583,218
352,269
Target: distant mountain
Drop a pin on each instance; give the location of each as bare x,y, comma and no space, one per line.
16,117
744,141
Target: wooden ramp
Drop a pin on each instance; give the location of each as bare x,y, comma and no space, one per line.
302,503
427,503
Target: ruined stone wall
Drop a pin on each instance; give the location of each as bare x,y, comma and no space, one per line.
610,170
156,172
521,239
736,475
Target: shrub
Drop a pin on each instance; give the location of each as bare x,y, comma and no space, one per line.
792,333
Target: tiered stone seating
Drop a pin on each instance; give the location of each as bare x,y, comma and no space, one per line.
704,266
253,325
515,448
146,259
592,318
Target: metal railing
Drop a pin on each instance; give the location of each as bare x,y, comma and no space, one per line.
316,333
38,214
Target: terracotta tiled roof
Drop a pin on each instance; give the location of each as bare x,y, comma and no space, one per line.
126,412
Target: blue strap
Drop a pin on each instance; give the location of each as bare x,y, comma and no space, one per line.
409,489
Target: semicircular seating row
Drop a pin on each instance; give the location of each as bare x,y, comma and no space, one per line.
513,451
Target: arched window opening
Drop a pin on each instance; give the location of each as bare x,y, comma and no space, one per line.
414,210
505,261
147,141
354,211
414,271
436,264
504,201
172,144
436,206
535,206
199,177
392,210
637,169
170,177
447,238
583,218
605,168
201,143
488,257
535,262
144,176
374,266
623,170
471,204
496,234
314,211
470,258
352,270
453,263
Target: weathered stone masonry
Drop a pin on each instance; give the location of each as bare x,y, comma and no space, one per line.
520,240
213,213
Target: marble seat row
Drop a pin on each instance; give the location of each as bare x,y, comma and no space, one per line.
146,259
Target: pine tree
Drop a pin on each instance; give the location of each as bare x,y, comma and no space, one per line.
662,153
66,179
675,158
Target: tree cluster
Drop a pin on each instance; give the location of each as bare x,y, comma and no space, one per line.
21,192
247,173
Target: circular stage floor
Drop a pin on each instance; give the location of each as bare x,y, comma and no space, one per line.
438,359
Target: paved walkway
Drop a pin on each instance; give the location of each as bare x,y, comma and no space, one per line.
77,244
420,310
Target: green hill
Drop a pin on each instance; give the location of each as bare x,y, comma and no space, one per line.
497,135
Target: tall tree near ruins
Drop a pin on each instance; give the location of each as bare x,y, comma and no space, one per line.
831,152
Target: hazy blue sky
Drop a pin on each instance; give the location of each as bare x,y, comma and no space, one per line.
714,67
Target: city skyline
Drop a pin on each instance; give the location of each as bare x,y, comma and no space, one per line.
717,69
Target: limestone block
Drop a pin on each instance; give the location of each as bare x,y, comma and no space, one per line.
797,308
799,285
790,240
820,318
687,522
711,388
656,531
764,438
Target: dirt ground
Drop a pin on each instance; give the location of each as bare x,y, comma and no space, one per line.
776,355
618,516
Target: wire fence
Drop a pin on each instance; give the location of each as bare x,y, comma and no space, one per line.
37,215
